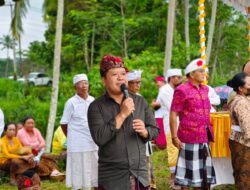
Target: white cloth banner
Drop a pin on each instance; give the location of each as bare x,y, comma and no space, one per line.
223,171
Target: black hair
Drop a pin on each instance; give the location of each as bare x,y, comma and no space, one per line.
237,81
188,75
26,118
7,125
169,78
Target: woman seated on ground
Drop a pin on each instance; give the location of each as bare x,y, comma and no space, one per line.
14,158
31,136
239,142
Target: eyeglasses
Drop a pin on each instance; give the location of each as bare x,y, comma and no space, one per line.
200,70
82,83
179,77
135,82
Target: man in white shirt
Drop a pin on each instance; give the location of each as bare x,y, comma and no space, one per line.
165,97
160,141
214,98
212,95
82,157
1,122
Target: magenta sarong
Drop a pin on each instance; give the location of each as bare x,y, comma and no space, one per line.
161,141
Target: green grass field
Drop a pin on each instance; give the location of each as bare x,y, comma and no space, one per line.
160,170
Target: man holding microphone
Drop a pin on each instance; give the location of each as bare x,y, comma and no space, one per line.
121,126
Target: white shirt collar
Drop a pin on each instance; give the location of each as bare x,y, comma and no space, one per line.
80,98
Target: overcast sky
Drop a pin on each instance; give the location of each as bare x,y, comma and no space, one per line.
33,24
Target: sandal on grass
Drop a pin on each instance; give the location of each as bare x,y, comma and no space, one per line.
173,186
56,175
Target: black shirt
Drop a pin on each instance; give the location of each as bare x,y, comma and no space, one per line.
121,151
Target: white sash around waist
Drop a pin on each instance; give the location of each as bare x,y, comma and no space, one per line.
236,128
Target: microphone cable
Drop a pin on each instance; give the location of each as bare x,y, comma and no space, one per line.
138,168
124,90
139,156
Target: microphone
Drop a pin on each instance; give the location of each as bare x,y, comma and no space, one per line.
124,90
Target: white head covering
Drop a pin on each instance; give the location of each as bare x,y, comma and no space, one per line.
194,65
79,77
134,75
173,72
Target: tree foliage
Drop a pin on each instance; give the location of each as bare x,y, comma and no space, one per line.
93,28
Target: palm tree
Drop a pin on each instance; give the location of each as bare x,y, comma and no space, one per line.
20,10
125,43
169,35
17,15
211,31
7,42
56,73
186,4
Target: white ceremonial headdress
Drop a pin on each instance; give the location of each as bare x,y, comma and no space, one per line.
195,65
134,75
173,72
79,77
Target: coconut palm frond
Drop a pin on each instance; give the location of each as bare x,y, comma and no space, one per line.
19,13
49,6
7,42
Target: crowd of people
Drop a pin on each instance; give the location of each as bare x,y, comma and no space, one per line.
107,141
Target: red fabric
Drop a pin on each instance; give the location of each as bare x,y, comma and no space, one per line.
161,141
159,78
109,62
27,182
199,63
34,152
